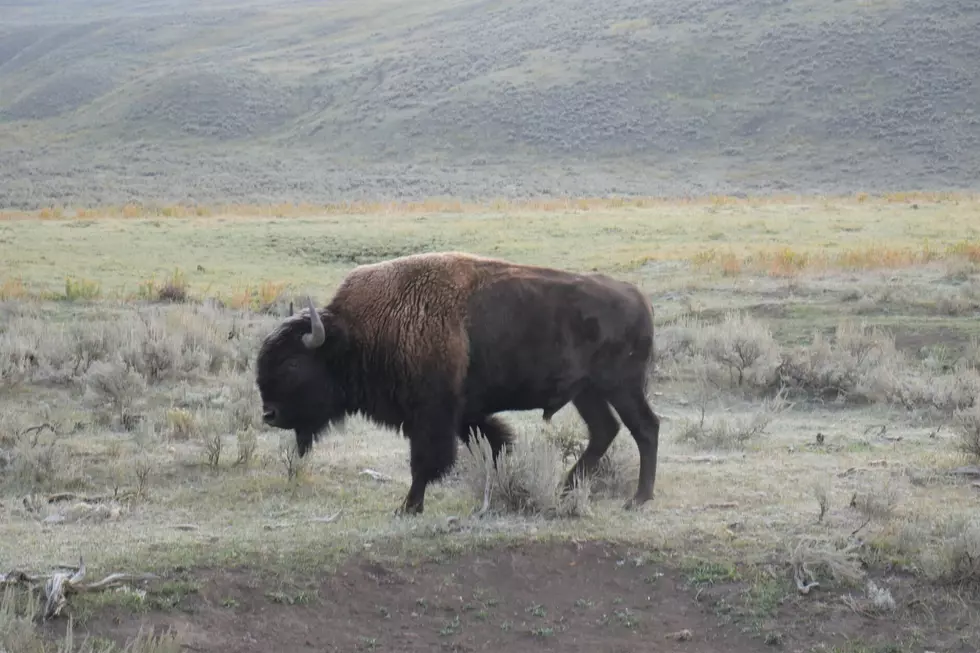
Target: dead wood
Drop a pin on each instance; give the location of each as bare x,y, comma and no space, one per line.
327,519
66,581
378,476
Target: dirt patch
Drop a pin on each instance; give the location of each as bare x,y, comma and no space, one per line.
914,338
542,597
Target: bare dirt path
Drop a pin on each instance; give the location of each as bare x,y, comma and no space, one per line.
593,598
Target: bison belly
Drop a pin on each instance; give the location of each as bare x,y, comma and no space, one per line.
534,346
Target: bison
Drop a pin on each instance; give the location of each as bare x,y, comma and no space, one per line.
435,344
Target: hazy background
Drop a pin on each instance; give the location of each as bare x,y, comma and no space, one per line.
282,100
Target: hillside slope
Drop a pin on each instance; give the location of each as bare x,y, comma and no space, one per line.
107,101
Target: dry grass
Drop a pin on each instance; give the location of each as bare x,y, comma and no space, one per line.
783,261
18,632
504,205
967,424
247,256
500,205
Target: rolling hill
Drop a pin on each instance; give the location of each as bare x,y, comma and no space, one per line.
107,101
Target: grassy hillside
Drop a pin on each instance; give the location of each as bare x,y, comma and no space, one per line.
282,100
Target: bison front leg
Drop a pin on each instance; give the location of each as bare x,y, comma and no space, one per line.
433,453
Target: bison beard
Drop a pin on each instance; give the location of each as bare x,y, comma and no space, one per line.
436,344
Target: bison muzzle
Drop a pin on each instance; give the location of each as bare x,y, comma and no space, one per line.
436,344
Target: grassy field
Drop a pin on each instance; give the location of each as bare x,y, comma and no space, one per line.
818,368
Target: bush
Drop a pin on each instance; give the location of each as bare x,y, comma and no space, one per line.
835,369
743,347
527,481
967,425
113,389
33,457
724,433
956,558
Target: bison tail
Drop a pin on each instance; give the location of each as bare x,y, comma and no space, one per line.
494,429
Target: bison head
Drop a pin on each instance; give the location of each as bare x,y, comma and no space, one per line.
299,377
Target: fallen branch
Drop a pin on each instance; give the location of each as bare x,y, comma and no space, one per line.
326,520
717,460
64,582
840,562
378,476
727,505
37,430
117,495
802,575
970,471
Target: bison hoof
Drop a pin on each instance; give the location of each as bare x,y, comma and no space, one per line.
635,503
408,510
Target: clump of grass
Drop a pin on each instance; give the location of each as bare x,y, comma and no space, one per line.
743,347
967,426
248,443
13,289
211,429
820,559
527,481
212,447
37,458
266,297
81,290
294,466
114,390
835,368
955,559
876,502
181,425
731,434
821,492
721,432
19,351
242,411
174,288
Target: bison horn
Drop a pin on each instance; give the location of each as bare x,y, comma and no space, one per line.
317,333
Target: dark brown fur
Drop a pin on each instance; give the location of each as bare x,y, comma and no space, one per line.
436,344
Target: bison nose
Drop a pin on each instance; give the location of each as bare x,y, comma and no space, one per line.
269,415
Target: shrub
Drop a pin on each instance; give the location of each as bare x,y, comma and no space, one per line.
956,558
725,433
174,289
743,347
114,389
34,458
81,289
967,426
527,481
835,368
